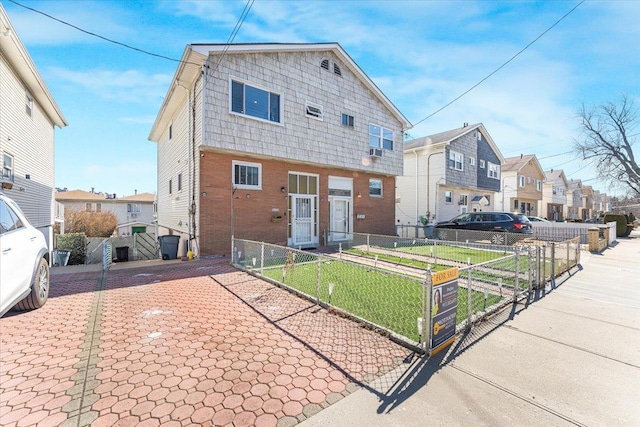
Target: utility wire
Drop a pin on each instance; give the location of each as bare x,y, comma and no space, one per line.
98,35
502,66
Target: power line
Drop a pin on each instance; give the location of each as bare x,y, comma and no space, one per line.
502,66
98,35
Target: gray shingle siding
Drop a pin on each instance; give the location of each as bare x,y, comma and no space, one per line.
466,145
487,154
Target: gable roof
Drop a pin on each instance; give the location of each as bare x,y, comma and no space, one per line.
19,59
575,184
78,195
195,56
552,175
449,136
518,162
142,197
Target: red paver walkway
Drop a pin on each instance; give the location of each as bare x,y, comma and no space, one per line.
193,343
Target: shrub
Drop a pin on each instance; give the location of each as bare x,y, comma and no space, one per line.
92,224
74,242
621,223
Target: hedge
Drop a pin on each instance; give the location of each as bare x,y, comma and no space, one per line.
74,242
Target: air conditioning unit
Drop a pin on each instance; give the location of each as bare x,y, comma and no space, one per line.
133,214
375,152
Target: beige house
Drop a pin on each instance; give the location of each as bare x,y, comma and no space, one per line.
521,186
291,144
28,117
554,195
574,209
135,213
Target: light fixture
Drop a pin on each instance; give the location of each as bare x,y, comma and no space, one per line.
282,189
248,196
359,194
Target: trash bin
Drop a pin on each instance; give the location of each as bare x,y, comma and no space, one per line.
169,246
122,253
61,257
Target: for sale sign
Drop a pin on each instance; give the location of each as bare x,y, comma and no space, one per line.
444,307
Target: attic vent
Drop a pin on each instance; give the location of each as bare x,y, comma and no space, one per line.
336,70
325,64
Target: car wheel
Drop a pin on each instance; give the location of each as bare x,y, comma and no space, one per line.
498,239
39,288
442,234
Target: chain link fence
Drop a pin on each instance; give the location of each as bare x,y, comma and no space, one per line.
381,296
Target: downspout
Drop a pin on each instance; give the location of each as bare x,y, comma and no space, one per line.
417,190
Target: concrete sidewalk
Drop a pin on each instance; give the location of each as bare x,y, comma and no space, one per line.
570,356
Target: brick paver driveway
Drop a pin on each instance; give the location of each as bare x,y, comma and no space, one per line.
191,343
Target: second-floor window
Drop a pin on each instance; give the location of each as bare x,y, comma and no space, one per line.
179,181
7,167
521,180
247,175
448,196
456,160
347,120
255,102
493,170
380,137
134,208
29,105
538,185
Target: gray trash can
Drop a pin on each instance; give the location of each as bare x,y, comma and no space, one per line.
61,257
169,246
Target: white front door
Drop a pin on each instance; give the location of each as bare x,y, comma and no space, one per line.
340,219
302,220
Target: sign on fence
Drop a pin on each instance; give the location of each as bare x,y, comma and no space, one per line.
444,307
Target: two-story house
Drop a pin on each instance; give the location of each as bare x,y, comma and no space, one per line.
521,188
447,174
587,202
554,195
574,205
28,117
290,144
135,213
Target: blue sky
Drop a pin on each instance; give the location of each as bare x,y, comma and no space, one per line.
422,55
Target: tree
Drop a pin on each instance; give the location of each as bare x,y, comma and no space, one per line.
607,138
93,224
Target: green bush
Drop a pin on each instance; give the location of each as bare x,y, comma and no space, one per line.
621,223
74,242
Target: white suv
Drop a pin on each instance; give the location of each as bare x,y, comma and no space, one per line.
24,260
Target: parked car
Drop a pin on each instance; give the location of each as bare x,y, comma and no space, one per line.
24,257
497,223
537,219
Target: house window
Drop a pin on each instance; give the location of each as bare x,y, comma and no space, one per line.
521,180
255,102
375,187
472,161
87,207
134,208
380,137
464,199
493,171
247,175
29,105
98,207
314,111
455,160
7,167
179,181
481,164
539,185
515,204
170,187
347,120
171,131
448,196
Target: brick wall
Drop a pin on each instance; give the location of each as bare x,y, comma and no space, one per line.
253,209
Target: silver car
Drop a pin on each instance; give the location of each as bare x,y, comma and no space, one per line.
24,260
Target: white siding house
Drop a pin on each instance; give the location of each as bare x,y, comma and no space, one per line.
28,116
285,143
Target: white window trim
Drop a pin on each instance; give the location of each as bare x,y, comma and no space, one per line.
450,197
308,109
244,186
257,86
489,170
381,137
381,187
348,116
538,185
11,169
521,181
472,161
134,208
455,155
481,164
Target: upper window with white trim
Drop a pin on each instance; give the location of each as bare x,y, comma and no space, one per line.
29,105
347,120
538,185
247,175
314,111
7,167
255,102
493,170
521,180
380,137
456,160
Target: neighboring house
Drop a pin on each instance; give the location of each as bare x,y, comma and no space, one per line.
554,195
281,143
574,207
135,214
447,174
522,179
587,202
601,203
28,117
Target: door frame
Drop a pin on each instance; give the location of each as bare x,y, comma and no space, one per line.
348,233
313,225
